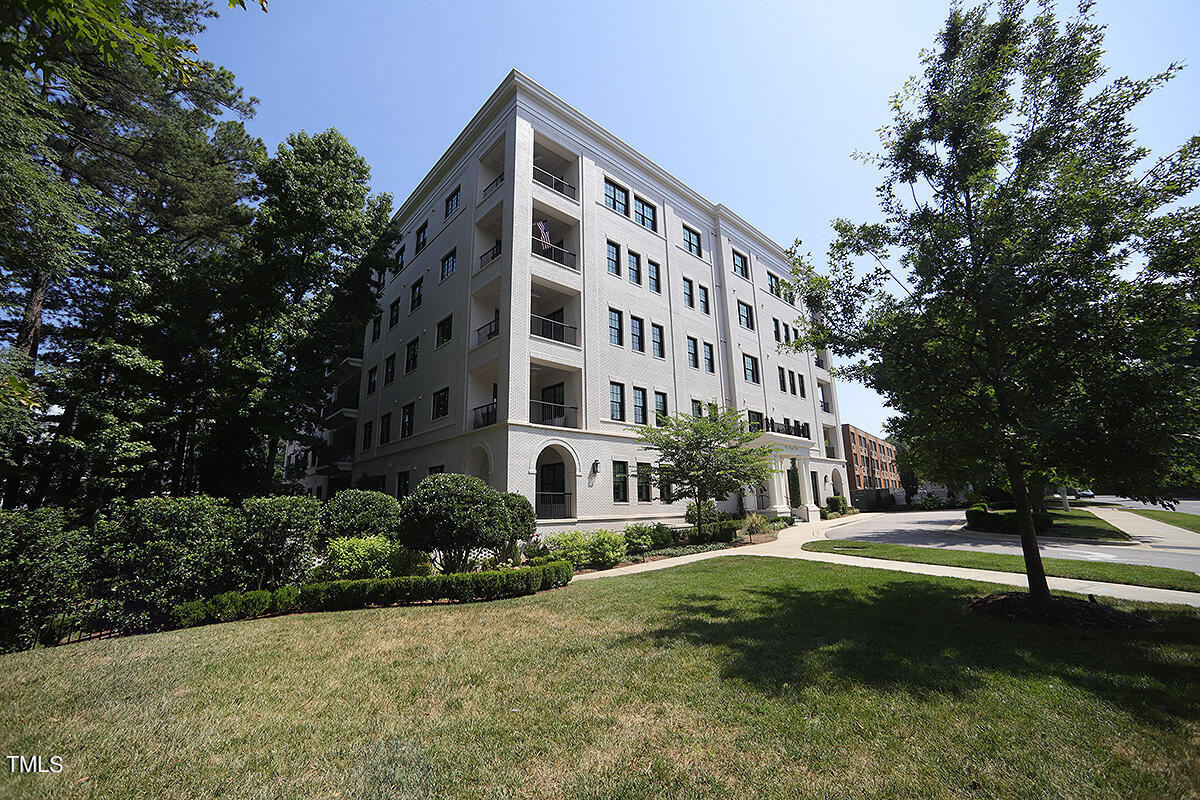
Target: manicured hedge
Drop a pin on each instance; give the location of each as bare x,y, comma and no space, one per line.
723,531
980,519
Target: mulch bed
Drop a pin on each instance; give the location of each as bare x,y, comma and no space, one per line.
1058,611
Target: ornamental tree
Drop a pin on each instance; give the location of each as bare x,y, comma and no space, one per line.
454,518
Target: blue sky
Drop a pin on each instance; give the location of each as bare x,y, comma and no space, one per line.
755,105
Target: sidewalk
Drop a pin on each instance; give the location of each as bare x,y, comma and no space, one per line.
791,540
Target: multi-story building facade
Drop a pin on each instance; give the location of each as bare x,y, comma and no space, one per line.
553,288
870,460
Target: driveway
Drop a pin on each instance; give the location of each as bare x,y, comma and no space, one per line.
1159,545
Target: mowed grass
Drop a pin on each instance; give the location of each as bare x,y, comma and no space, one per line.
741,676
1158,577
1179,519
1078,524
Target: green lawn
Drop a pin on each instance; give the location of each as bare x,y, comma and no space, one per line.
1179,519
1158,577
740,676
1078,524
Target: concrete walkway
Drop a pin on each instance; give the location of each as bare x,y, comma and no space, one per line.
791,541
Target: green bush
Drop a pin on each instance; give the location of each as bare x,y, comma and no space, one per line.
226,606
638,539
279,539
605,548
570,545
932,502
43,563
190,614
757,525
837,504
256,603
535,549
661,536
825,513
347,559
285,599
522,519
980,519
723,531
710,512
358,514
456,517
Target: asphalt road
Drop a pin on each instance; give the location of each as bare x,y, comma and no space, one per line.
1186,506
934,529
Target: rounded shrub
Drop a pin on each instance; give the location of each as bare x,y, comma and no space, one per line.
279,539
455,518
227,606
661,536
605,548
522,520
349,558
285,599
256,603
638,538
569,545
359,513
710,512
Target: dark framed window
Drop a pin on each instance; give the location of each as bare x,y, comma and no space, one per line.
652,281
394,313
376,324
643,482
636,338
414,295
689,293
368,430
792,381
385,428
422,237
616,197
775,321
411,351
657,347
745,316
660,408
452,200
389,369
635,268
693,354
801,379
787,336
614,259
406,420
782,379
616,327
697,408
754,420
445,331
448,263
402,484
400,258
709,366
616,401
691,240
441,403
703,299
639,405
620,481
645,214
437,469
372,377
750,368
741,265
774,284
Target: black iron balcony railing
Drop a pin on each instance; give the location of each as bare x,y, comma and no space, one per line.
555,414
552,505
489,331
826,406
484,415
345,401
787,428
552,329
499,179
554,182
558,255
490,256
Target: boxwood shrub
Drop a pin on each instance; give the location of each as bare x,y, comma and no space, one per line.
980,519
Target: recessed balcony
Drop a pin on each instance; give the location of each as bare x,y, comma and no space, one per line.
558,415
552,505
342,409
554,330
555,182
553,252
486,332
483,416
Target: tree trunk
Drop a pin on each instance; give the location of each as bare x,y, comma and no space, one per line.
29,330
1036,574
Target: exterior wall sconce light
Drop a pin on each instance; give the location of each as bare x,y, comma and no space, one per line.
596,467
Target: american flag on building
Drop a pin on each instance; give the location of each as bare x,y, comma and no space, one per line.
544,231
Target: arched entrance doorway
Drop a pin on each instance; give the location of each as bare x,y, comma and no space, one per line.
837,484
555,483
479,464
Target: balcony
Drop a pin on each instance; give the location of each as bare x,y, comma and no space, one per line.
486,332
552,329
552,505
345,407
830,451
491,187
483,416
559,255
554,182
343,370
556,414
787,428
490,256
826,406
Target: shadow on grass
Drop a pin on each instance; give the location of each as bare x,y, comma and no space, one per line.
913,636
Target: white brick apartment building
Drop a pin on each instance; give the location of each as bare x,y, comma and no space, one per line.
524,357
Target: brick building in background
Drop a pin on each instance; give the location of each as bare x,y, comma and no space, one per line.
870,460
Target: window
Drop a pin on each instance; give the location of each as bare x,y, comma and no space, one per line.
708,358
782,379
635,268
414,295
775,321
389,369
400,258
660,408
437,470
614,259
406,420
385,428
740,265
448,263
410,356
616,401
394,314
643,482
745,316
691,240
616,325
644,214
402,484
652,277
368,428
754,420
452,201
372,377
376,324
639,406
616,198
792,381
750,368
689,293
422,233
774,284
620,481
693,356
703,299
636,340
441,403
697,408
656,341
787,336
445,330
801,378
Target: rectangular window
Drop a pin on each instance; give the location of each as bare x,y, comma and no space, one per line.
656,341
635,268
372,377
445,329
643,482
410,355
620,481
406,420
422,233
693,355
616,198
389,369
782,379
452,201
644,214
376,324
400,259
754,420
368,428
394,314
703,299
775,321
652,277
616,327
660,407
385,428
787,336
448,263
636,339
639,406
616,401
437,470
774,285
709,366
697,408
741,266
691,240
792,381
745,316
414,295
614,259
441,403
689,293
801,379
750,368
402,484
